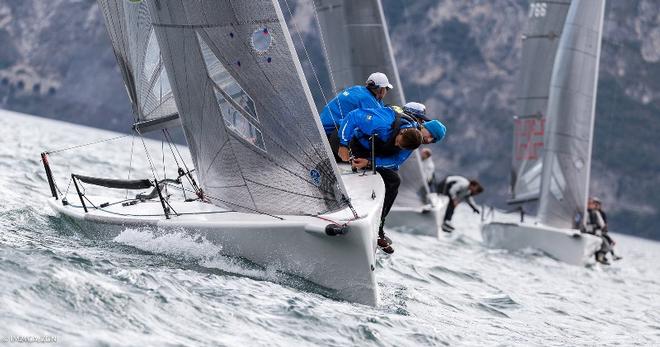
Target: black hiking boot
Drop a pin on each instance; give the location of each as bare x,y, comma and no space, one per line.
386,245
600,257
384,242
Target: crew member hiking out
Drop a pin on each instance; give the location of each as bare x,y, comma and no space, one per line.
606,234
369,96
395,136
595,224
458,189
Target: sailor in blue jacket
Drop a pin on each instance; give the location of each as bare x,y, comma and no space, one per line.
396,136
369,96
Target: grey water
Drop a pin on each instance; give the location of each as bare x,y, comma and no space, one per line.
140,288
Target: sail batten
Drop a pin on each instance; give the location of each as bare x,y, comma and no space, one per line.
245,107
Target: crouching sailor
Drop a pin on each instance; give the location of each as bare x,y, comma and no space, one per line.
595,224
369,96
458,189
392,136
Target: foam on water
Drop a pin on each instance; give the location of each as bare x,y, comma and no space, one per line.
173,243
150,288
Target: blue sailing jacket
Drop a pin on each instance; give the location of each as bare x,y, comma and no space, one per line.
362,123
350,99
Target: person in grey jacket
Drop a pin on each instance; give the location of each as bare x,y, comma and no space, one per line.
458,189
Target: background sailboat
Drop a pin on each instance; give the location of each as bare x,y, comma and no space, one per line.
268,190
567,143
357,43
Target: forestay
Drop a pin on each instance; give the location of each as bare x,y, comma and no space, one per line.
247,112
539,46
139,59
571,115
357,44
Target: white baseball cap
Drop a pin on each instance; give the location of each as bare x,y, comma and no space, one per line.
380,80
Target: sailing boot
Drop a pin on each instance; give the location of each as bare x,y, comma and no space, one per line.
600,257
447,227
384,242
381,233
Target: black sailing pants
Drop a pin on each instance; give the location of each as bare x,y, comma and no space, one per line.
443,188
449,212
333,139
392,182
390,178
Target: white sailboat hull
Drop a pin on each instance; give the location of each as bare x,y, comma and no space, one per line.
296,245
564,245
421,221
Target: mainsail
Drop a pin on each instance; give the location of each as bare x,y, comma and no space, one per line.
539,47
139,59
357,44
246,110
571,115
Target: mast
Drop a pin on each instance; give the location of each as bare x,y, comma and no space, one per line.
571,116
539,46
246,110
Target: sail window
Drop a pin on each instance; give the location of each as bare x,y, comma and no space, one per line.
261,40
226,82
236,106
239,124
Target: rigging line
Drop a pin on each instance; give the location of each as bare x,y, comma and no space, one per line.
162,150
130,164
290,192
302,42
87,144
244,207
169,143
406,16
324,47
67,188
151,164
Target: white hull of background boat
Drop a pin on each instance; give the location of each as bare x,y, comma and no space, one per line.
426,220
569,246
296,245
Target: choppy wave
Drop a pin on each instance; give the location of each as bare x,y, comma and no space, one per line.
147,287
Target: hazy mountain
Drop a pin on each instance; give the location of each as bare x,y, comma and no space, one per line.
460,57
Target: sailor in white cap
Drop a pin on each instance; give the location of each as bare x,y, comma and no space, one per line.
367,96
